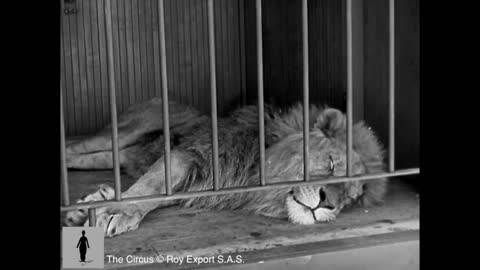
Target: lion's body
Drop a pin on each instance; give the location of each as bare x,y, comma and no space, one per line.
239,163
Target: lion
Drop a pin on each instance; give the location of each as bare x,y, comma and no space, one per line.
141,146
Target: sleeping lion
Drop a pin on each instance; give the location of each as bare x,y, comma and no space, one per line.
141,146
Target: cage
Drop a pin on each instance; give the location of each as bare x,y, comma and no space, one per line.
217,55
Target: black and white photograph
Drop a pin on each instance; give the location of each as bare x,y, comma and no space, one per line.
240,134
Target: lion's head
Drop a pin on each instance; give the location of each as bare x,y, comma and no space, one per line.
308,204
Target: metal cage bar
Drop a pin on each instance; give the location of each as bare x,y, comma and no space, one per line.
63,163
113,100
261,113
92,217
349,88
306,90
213,94
166,123
391,88
280,183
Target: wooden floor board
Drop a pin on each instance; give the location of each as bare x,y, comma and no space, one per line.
181,232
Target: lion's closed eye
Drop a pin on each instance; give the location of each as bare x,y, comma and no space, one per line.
331,165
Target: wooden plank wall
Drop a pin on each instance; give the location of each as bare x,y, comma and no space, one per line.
283,66
283,51
137,58
407,72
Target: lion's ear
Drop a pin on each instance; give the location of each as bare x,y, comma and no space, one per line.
331,121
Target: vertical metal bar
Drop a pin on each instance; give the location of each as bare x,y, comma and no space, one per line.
113,100
166,123
92,217
306,103
349,87
63,163
241,21
391,81
213,93
261,117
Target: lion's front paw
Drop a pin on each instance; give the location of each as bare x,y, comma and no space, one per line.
118,221
79,217
330,220
326,215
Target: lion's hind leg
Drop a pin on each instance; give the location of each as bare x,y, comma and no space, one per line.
128,132
136,121
92,161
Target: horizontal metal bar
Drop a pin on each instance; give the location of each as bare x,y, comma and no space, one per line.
166,123
278,185
113,99
261,114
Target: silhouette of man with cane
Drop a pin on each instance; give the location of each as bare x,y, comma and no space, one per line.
83,244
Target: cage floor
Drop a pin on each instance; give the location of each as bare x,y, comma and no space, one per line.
181,232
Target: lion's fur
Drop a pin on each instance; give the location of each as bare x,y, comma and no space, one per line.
239,155
239,158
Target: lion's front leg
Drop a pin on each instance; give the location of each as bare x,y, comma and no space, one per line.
126,217
120,219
